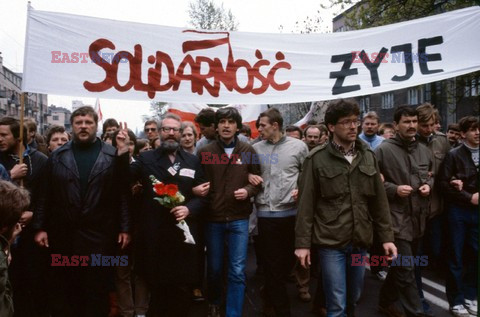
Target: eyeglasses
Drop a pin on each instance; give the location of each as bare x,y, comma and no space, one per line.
150,129
348,123
167,129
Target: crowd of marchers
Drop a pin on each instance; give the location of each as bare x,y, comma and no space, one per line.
345,189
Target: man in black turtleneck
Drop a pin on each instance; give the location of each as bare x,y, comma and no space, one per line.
83,212
406,166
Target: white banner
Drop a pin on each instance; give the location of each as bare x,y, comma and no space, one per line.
90,57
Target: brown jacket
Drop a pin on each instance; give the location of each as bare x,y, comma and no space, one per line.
226,175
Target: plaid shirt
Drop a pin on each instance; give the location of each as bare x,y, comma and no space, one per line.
351,152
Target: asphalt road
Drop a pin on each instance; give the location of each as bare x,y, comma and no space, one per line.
434,290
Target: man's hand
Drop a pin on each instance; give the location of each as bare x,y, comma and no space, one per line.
18,171
254,179
241,194
123,239
137,188
295,194
424,190
26,218
41,238
16,231
457,184
390,249
201,190
404,190
180,212
474,199
122,140
303,256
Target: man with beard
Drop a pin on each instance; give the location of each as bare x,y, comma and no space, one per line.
406,165
83,212
370,130
25,271
166,262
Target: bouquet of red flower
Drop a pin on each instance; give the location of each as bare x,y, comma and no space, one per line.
170,197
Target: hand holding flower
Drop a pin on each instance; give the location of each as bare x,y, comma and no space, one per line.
180,212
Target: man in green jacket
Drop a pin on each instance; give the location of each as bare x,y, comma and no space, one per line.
406,166
342,200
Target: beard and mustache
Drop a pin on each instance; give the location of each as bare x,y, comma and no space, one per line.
169,145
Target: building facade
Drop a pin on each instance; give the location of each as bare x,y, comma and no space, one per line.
454,98
10,94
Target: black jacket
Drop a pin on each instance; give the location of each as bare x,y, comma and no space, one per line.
161,254
91,225
35,162
458,164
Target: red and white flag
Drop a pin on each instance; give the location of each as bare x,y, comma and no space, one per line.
249,113
98,110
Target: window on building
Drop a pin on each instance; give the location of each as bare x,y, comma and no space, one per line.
428,93
468,88
474,86
364,103
412,96
387,100
55,117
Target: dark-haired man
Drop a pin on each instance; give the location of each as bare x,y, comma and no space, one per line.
340,191
150,128
227,163
453,135
407,167
83,211
25,270
294,132
281,162
13,203
56,137
462,163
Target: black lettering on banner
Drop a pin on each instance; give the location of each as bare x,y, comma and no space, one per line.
345,71
424,57
407,51
372,67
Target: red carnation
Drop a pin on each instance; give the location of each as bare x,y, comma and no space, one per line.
171,189
160,189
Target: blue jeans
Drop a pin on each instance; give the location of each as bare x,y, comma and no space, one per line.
463,228
235,234
342,282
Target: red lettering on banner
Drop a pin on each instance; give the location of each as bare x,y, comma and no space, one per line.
199,80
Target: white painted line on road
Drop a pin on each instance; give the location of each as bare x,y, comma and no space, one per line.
434,285
433,299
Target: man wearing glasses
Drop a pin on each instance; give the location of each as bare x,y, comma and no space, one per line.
163,258
341,202
151,129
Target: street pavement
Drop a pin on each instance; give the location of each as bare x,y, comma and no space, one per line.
434,290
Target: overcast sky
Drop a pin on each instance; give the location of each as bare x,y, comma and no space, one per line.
253,16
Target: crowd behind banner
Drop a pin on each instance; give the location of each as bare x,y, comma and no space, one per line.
119,225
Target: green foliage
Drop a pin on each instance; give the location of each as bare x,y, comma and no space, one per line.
205,15
371,13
